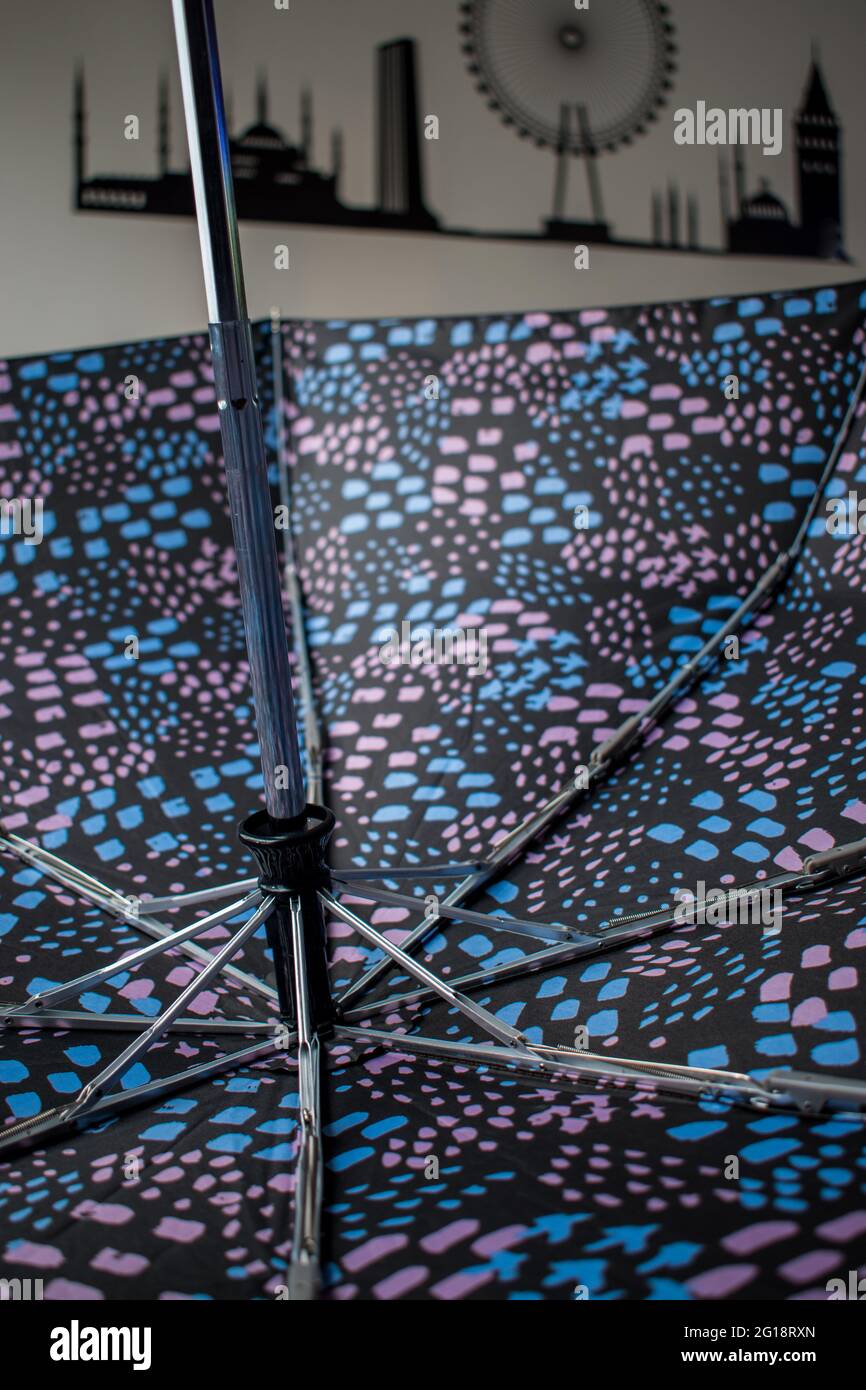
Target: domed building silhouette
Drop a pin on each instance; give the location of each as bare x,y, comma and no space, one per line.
268,169
766,205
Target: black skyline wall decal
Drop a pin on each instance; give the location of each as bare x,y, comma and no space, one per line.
275,180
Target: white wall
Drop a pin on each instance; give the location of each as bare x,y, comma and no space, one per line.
69,279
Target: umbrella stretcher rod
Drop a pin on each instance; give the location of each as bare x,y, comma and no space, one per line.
96,1091
620,931
128,910
782,1089
58,994
56,1123
485,1020
634,731
805,1091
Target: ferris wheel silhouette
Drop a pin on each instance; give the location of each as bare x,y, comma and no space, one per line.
529,57
574,81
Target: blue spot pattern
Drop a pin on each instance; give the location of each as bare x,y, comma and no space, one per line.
456,507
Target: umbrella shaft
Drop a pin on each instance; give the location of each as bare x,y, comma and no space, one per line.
240,416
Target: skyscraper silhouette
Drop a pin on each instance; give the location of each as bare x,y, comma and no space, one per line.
401,192
163,137
79,128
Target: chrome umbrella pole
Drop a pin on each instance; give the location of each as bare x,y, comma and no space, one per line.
250,504
289,839
240,415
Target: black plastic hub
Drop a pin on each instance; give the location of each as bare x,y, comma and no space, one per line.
290,855
291,860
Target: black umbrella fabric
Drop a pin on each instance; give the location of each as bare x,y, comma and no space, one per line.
511,533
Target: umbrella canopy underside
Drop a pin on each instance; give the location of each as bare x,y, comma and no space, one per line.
579,487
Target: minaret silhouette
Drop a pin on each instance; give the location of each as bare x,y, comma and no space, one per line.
261,99
740,179
658,219
307,124
79,129
337,157
674,214
692,222
818,155
724,196
163,137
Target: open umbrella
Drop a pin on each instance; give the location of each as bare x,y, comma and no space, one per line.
577,644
